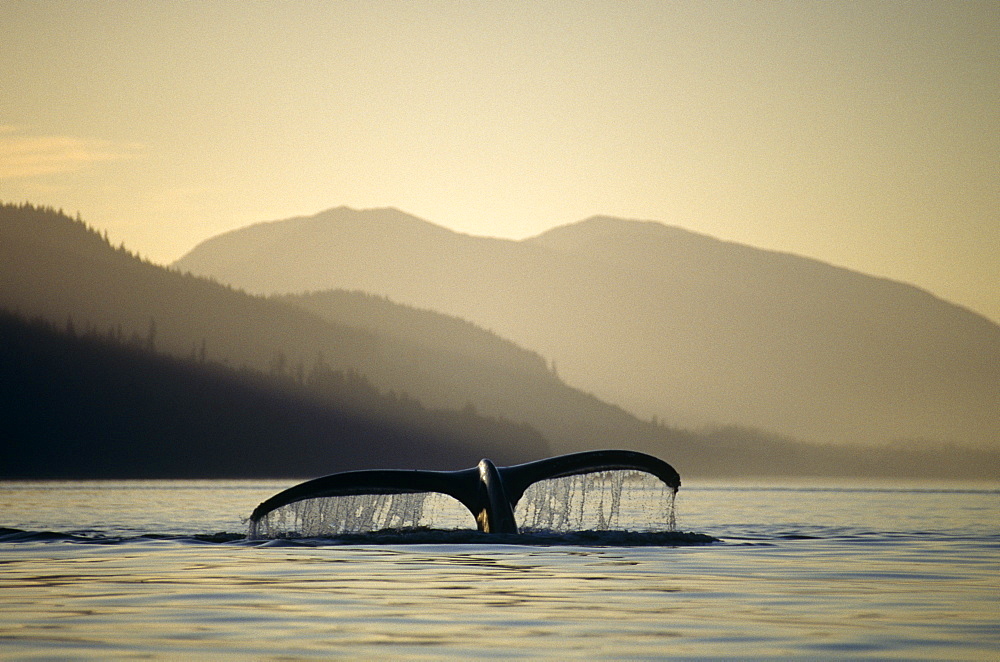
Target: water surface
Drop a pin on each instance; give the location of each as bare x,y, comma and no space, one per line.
138,569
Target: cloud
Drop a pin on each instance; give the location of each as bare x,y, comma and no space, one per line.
24,155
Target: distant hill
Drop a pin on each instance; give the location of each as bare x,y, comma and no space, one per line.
99,406
729,451
304,364
449,337
58,269
664,322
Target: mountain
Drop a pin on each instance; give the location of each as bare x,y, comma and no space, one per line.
58,269
192,370
663,322
96,405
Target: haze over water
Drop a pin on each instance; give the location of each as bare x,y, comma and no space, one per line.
817,571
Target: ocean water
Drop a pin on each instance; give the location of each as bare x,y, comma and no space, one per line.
817,570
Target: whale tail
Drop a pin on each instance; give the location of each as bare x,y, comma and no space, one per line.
489,492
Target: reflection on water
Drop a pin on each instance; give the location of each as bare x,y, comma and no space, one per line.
813,573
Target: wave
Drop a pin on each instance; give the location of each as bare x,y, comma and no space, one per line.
8,535
388,537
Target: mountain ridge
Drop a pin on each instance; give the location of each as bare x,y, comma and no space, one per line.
679,325
59,270
543,238
80,404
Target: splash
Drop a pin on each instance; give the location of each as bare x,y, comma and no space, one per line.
362,513
599,501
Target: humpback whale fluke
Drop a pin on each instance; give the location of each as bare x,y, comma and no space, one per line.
489,492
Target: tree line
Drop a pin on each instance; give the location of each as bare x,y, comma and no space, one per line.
100,405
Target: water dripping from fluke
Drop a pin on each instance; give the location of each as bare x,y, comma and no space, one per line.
594,497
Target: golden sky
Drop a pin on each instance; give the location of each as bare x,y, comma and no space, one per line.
865,134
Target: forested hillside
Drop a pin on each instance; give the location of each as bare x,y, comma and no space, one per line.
88,404
448,391
56,268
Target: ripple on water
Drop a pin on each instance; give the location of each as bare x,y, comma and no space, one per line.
842,574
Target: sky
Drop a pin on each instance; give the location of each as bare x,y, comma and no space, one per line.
863,134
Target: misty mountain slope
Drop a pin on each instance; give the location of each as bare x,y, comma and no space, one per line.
366,250
885,358
60,270
285,253
455,353
664,322
494,397
418,327
94,406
